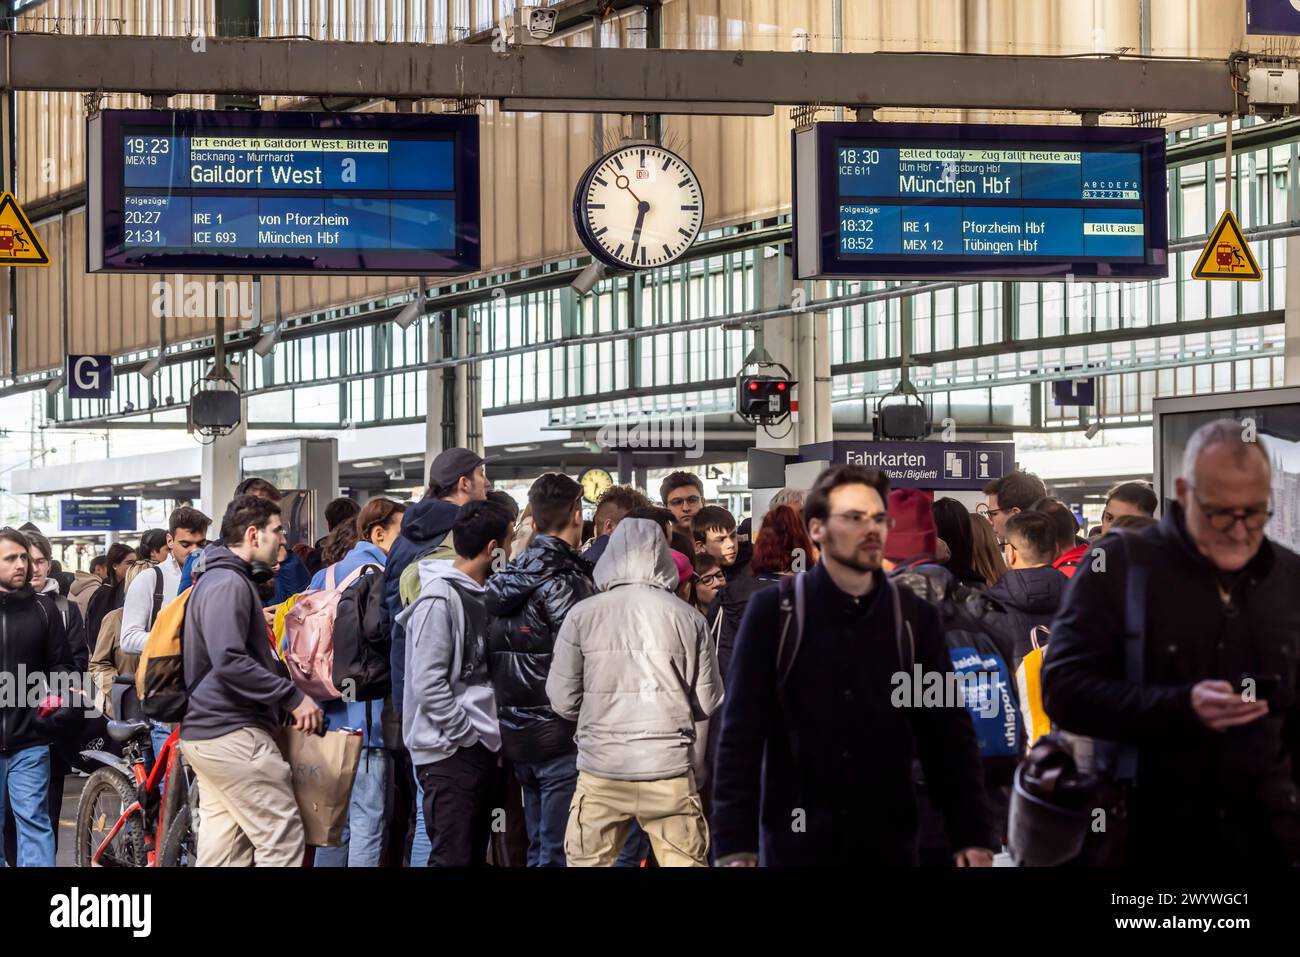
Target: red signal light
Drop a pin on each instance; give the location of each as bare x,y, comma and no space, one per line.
753,387
780,387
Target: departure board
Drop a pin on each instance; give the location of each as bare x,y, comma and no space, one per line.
1015,202
207,191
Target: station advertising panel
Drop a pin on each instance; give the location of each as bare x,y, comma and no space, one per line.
282,193
934,201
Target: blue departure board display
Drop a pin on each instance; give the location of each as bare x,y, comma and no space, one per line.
208,191
911,200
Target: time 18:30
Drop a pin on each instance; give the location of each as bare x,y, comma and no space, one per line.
859,157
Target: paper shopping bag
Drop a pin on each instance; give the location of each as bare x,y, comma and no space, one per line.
323,768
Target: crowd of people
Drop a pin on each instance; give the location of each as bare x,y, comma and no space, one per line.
660,685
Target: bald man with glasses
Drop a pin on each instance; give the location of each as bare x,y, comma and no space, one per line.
1178,644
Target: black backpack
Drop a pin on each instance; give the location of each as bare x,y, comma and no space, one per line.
361,642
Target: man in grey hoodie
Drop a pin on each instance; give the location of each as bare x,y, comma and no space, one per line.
449,715
634,666
238,696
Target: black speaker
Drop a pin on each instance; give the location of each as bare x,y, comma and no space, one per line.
902,421
215,409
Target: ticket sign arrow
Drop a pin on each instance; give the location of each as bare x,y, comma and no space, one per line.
1226,255
18,243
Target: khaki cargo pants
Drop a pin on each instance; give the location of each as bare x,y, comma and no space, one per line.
668,810
247,812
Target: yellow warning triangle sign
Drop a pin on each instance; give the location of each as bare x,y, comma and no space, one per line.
1226,255
18,243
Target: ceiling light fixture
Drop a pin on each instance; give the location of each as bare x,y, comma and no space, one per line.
266,345
410,312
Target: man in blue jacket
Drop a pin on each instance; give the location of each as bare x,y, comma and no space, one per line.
456,476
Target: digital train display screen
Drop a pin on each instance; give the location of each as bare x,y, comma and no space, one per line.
285,192
980,201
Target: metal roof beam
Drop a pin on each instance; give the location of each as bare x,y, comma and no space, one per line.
232,65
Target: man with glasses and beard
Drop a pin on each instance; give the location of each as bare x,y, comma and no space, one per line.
1205,609
814,763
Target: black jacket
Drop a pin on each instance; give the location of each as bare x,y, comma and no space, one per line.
1030,597
424,526
105,599
1201,795
32,643
731,603
527,602
851,791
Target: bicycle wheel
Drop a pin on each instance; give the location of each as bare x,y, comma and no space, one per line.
180,847
106,795
180,844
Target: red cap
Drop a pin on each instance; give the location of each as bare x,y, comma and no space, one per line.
684,567
914,532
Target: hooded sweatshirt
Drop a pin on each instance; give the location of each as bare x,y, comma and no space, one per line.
443,710
234,678
634,664
83,586
425,525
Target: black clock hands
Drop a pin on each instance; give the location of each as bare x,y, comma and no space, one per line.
642,207
622,182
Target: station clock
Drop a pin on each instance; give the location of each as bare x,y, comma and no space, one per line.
638,206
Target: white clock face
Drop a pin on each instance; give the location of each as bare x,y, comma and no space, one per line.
642,206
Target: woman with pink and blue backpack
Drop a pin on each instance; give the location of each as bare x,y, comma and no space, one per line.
351,547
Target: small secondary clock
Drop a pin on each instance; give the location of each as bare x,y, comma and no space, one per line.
595,483
638,206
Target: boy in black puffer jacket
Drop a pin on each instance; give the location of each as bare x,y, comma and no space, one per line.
527,601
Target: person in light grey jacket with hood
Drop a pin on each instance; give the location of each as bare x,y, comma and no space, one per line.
635,668
449,712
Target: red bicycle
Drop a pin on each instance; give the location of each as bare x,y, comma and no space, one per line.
130,817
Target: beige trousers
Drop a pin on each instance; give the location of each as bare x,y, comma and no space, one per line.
247,812
668,810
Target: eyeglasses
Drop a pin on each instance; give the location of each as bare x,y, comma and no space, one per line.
1224,519
987,512
713,578
679,502
859,519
